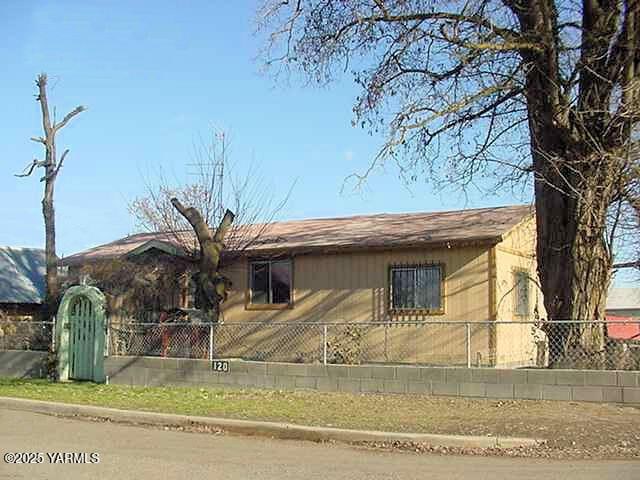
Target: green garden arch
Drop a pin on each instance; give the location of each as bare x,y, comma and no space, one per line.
80,334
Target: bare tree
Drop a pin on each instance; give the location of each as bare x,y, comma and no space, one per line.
236,204
511,88
51,165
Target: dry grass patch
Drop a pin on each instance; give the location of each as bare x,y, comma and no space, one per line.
566,425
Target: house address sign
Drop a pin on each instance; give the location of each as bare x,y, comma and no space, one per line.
220,366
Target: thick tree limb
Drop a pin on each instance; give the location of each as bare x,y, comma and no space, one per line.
211,283
225,225
195,219
61,124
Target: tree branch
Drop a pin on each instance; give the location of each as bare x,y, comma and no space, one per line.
61,124
30,168
225,225
476,20
64,155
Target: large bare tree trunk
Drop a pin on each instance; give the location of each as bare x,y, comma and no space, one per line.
48,210
211,283
573,190
51,166
574,262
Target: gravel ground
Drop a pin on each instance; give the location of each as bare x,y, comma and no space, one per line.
559,448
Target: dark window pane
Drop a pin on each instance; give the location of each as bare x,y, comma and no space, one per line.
260,283
522,293
403,281
281,281
428,288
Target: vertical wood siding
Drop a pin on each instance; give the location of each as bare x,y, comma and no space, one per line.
516,343
354,287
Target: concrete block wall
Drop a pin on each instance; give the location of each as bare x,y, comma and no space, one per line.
23,364
564,385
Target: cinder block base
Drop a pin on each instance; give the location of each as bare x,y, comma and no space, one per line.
327,384
556,392
349,385
631,395
305,382
530,392
612,394
499,390
372,385
588,394
446,389
473,390
23,364
395,386
423,388
535,384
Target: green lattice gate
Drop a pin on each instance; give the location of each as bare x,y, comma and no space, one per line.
80,334
83,332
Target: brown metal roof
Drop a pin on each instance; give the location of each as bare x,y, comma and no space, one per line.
382,231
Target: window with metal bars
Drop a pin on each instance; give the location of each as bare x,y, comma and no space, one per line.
417,287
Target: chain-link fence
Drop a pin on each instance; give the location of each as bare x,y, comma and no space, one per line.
510,344
614,344
25,335
179,340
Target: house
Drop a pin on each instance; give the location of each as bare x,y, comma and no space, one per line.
624,302
623,313
22,281
474,265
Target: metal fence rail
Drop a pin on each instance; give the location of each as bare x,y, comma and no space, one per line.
25,335
503,344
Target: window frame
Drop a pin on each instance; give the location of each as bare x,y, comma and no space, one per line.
517,272
249,291
420,310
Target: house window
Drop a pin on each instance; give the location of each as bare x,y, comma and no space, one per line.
417,287
521,289
270,282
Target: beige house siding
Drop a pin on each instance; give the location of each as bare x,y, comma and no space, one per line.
516,343
354,287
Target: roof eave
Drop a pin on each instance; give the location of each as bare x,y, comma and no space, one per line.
328,249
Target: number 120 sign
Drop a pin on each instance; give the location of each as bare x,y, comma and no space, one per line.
220,366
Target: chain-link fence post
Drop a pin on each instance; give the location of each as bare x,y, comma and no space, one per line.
53,334
324,344
468,330
211,341
386,342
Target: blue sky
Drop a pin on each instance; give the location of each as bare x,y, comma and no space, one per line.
155,76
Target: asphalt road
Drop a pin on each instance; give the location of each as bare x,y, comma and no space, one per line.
136,452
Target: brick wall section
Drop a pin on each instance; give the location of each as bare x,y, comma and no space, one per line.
567,385
23,364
